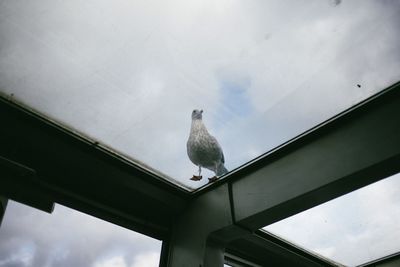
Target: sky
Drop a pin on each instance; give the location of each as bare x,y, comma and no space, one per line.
356,228
33,238
129,73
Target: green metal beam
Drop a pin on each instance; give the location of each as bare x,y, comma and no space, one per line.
353,151
3,206
190,244
18,183
71,170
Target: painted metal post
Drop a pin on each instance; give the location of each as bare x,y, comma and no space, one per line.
192,243
3,205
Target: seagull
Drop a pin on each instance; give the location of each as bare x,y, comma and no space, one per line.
203,149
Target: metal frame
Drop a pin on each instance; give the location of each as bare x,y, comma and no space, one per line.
43,163
392,260
274,251
3,206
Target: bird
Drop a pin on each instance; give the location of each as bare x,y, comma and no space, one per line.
203,149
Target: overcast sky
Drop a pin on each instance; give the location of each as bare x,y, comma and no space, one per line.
356,228
65,238
129,73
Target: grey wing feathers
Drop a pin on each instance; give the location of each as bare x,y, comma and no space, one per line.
215,142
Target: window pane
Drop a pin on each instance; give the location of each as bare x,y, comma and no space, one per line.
129,73
30,238
353,229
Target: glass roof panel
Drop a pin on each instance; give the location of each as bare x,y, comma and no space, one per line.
129,73
354,229
31,238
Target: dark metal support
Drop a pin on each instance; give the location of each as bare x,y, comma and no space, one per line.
192,243
349,153
43,163
18,182
3,206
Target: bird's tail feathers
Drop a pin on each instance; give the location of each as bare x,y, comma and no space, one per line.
221,170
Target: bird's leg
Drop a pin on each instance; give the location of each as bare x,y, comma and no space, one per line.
212,179
197,178
215,177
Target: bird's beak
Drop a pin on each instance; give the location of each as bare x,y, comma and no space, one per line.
201,111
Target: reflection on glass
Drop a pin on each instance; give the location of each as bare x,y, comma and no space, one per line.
129,73
353,229
29,237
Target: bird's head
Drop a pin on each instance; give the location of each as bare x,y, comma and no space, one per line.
197,114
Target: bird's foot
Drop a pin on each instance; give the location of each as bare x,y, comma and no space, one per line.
196,178
212,179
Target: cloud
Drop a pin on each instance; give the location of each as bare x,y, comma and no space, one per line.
134,72
21,254
144,260
31,238
353,229
111,262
